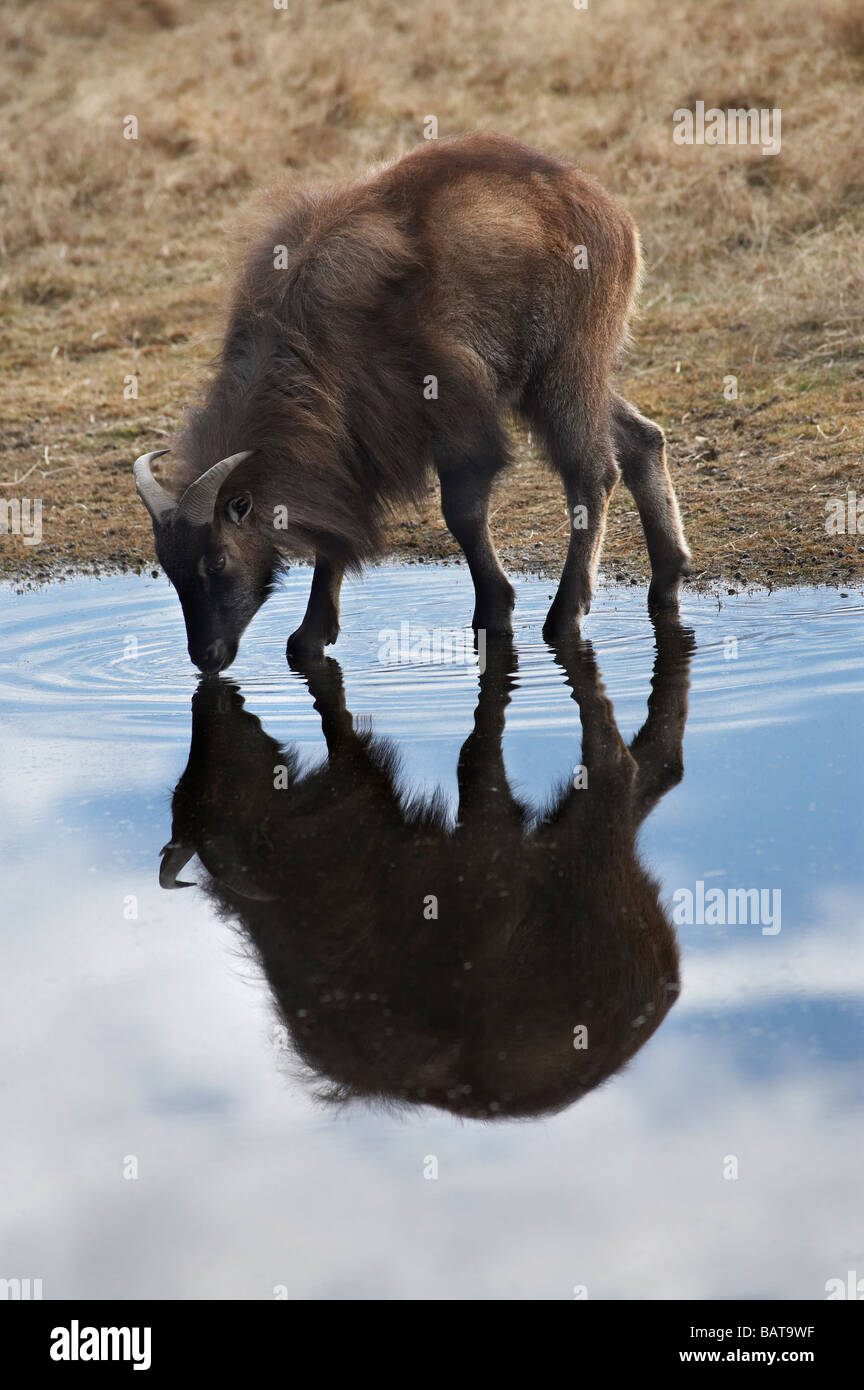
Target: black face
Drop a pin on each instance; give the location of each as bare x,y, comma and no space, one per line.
220,579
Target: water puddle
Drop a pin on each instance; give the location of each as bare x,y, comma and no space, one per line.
474,994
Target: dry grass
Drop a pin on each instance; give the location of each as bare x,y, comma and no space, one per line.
115,252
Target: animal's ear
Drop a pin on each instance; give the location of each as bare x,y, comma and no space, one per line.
240,507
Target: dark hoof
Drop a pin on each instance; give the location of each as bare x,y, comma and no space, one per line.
677,642
494,614
308,646
663,598
493,627
561,626
560,634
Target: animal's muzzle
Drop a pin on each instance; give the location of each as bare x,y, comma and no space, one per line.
214,658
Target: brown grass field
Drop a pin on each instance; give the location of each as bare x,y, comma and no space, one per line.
116,255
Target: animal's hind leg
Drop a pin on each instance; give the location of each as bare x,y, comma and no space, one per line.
658,746
580,448
640,448
465,487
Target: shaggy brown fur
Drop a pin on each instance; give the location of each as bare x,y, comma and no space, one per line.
381,330
543,922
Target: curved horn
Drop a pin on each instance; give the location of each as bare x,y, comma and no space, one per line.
198,503
152,494
174,860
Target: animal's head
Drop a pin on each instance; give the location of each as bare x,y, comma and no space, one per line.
217,560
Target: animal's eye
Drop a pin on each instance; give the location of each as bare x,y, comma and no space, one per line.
216,564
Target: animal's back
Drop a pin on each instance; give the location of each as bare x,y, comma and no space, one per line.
472,246
498,227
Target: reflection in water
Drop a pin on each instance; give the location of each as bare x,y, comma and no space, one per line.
499,966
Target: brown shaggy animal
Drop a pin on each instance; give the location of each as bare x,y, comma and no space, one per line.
415,958
381,330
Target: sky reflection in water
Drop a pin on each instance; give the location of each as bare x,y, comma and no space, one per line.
156,1036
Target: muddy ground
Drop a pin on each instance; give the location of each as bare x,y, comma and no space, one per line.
754,478
116,253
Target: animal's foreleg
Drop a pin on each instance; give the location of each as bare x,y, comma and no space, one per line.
326,686
320,625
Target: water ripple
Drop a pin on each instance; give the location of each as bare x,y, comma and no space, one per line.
116,647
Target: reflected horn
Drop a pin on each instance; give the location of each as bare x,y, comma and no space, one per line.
198,503
152,494
174,860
